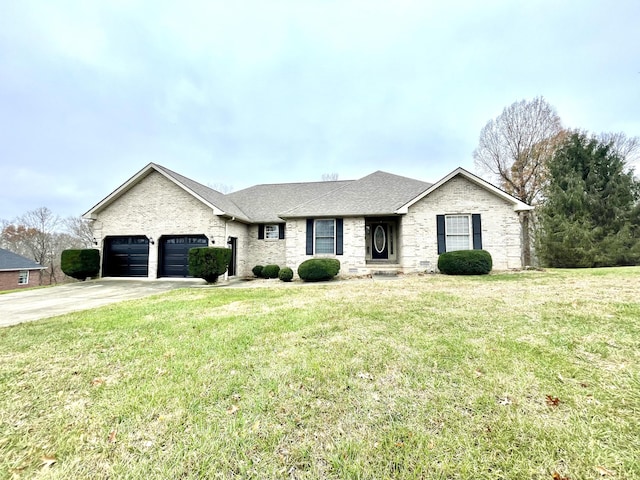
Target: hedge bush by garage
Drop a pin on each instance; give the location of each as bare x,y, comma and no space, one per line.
286,274
270,271
318,269
80,263
208,262
465,262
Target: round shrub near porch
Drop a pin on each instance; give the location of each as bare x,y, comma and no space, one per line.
286,274
318,269
257,270
270,271
465,262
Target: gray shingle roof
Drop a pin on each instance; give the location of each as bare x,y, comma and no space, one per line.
12,261
263,203
380,193
212,196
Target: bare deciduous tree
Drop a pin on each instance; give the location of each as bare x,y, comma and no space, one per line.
221,187
514,148
627,148
37,234
80,232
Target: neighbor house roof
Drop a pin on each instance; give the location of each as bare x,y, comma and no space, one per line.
380,193
10,261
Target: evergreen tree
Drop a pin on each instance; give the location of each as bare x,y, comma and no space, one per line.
591,214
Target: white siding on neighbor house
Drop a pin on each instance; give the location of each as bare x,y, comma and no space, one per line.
155,206
265,251
351,262
500,225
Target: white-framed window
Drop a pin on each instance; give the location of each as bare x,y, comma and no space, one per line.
23,277
458,232
325,236
272,232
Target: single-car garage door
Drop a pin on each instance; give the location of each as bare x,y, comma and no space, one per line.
174,254
126,256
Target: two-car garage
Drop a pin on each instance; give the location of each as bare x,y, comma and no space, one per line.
128,256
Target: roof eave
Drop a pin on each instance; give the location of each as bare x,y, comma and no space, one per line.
92,214
518,205
19,269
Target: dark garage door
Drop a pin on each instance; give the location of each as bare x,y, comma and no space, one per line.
126,257
174,251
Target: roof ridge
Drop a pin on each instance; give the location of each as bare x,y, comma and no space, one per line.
291,184
315,199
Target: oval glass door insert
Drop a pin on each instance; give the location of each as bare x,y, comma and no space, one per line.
379,239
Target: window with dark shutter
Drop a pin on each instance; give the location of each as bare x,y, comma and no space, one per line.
339,241
477,231
309,236
261,232
442,239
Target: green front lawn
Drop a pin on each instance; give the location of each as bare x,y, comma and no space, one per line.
520,375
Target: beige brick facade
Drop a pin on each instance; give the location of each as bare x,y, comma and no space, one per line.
156,206
500,225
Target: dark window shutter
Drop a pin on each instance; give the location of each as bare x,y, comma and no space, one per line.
281,231
261,232
309,236
477,231
339,242
442,241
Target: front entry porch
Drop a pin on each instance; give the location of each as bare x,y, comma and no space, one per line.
381,241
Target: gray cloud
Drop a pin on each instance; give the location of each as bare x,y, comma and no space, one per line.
255,92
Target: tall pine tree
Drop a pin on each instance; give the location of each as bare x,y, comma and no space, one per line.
591,213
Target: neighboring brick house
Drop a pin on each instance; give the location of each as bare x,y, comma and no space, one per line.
379,222
17,271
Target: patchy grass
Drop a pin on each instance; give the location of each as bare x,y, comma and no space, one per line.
518,375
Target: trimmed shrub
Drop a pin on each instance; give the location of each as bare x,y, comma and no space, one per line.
270,271
286,274
80,263
257,270
208,262
465,262
318,269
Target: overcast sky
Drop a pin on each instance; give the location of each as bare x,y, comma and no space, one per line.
238,93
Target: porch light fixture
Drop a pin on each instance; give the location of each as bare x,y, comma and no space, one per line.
95,241
151,240
228,240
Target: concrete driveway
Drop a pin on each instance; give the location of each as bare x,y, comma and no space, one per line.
40,303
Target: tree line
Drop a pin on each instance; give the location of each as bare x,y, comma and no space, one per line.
586,196
41,236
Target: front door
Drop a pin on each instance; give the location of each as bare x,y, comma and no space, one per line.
380,242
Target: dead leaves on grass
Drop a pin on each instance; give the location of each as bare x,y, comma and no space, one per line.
604,472
552,401
48,461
